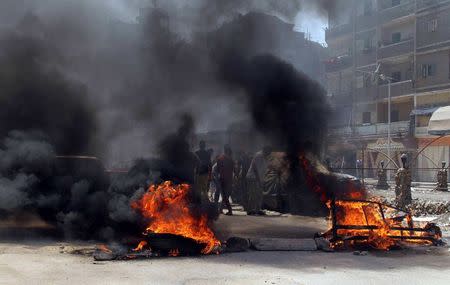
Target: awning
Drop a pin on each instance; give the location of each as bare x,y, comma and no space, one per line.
425,111
439,124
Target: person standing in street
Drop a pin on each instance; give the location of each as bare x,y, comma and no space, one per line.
240,190
225,169
255,179
202,171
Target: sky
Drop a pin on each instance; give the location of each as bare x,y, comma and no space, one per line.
312,24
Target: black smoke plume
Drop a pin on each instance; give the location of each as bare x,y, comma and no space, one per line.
35,95
175,150
286,106
63,69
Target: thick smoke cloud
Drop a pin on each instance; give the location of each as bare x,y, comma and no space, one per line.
23,157
138,73
75,80
286,105
35,95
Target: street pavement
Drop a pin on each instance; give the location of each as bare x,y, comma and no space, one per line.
39,261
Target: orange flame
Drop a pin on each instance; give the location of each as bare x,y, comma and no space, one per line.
364,214
378,225
383,226
140,246
174,252
167,207
104,248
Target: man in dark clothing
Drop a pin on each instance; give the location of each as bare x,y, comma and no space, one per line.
202,171
225,168
242,166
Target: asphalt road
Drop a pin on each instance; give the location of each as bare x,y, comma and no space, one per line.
39,261
52,263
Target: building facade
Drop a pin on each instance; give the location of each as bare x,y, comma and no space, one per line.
410,42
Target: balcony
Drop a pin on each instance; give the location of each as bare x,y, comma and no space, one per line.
366,22
338,63
343,98
397,89
366,94
396,49
421,131
343,131
396,12
366,56
337,31
378,130
425,4
381,129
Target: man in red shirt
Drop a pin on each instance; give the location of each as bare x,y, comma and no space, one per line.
225,168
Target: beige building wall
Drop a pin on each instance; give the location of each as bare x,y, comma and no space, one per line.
406,30
404,109
428,101
433,99
364,108
426,34
433,69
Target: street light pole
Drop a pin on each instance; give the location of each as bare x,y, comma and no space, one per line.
377,74
389,126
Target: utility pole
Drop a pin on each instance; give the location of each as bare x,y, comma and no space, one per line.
378,75
389,122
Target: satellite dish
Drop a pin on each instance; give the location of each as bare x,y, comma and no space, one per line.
376,74
377,70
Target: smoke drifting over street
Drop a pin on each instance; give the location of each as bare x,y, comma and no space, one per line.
95,78
281,99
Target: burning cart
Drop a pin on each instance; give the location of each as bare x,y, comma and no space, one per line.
362,223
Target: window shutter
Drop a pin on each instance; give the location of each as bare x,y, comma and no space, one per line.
431,69
424,70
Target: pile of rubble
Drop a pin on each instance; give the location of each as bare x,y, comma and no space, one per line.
427,207
443,221
424,207
421,207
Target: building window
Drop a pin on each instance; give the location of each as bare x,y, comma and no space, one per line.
396,76
396,37
432,25
395,3
368,7
366,118
428,70
395,116
368,46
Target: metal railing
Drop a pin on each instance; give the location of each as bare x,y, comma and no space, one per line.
397,89
421,177
396,49
424,4
338,30
379,129
396,12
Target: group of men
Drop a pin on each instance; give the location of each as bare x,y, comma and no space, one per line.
225,175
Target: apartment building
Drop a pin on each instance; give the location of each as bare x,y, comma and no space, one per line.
410,41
